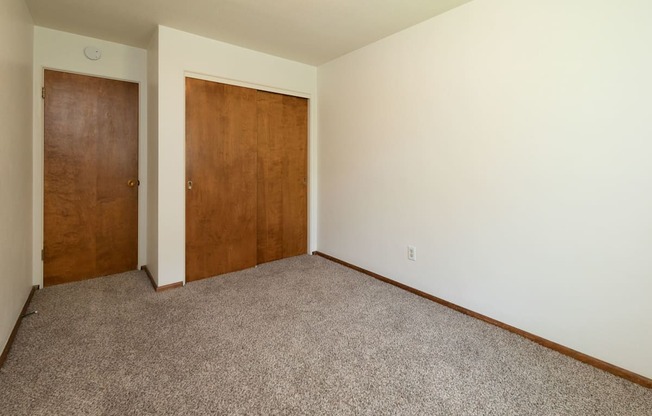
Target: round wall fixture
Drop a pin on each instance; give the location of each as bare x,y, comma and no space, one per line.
92,53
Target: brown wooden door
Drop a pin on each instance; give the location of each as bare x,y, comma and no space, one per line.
91,155
282,172
221,164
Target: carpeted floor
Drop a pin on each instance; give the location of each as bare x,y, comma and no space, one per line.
297,336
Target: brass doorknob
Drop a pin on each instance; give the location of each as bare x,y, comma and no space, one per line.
131,183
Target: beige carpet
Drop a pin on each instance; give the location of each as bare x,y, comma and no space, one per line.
297,336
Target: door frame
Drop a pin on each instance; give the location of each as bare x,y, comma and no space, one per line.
38,150
311,171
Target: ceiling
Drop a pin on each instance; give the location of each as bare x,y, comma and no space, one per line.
309,31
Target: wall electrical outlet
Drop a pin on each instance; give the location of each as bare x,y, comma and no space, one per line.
412,253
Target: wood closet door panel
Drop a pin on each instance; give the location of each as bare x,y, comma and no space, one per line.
221,164
90,155
282,128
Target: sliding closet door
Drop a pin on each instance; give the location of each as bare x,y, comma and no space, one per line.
282,171
221,178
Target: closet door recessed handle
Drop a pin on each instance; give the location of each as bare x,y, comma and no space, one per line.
189,184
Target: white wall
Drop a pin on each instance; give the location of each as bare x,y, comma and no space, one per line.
181,53
152,155
15,162
510,142
65,52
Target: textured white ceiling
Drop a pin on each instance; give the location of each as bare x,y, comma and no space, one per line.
309,31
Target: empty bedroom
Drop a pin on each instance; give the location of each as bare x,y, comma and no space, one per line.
335,207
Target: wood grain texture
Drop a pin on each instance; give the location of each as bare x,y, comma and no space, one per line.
282,176
90,153
221,163
602,365
12,336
